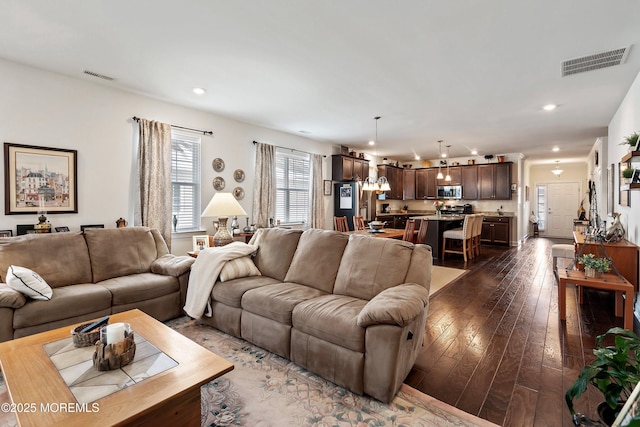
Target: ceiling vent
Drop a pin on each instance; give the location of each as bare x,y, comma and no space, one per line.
596,61
98,75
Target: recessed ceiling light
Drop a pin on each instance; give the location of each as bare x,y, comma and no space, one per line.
199,91
372,143
549,107
555,149
474,152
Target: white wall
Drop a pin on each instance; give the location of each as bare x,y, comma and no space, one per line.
46,109
625,122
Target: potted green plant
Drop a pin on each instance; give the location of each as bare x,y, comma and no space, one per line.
593,265
627,174
614,372
631,140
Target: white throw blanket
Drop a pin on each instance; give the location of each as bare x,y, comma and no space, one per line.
205,272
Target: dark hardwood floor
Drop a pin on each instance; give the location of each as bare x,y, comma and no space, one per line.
495,346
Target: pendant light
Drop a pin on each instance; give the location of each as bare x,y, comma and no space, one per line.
440,176
448,177
557,171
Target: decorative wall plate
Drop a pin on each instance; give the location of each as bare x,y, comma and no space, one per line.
238,193
238,175
218,183
218,164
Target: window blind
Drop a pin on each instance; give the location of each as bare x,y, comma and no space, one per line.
293,185
185,181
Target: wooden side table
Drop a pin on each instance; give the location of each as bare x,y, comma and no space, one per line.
607,282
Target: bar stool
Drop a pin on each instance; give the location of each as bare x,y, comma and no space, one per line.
463,234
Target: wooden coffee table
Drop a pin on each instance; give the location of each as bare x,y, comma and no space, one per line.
40,396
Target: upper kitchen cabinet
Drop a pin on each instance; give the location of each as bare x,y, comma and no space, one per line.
426,183
494,181
455,174
409,184
395,177
469,182
348,168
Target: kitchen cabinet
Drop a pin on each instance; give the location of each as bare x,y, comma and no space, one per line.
348,168
494,181
409,184
496,230
469,182
426,183
454,173
395,177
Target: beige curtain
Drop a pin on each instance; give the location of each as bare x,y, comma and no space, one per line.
264,190
317,192
154,176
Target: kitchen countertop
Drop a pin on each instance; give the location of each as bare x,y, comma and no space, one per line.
418,214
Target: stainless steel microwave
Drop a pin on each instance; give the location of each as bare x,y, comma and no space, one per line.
449,192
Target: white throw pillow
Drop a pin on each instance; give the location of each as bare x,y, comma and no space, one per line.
239,267
29,283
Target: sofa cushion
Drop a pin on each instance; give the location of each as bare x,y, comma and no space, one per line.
139,287
277,301
29,283
61,259
317,259
239,267
67,302
276,247
332,318
117,252
230,293
370,266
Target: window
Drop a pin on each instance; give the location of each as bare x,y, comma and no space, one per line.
185,181
293,183
541,207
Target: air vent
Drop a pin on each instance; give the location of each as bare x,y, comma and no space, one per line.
98,75
596,61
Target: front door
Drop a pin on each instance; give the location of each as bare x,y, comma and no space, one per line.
562,206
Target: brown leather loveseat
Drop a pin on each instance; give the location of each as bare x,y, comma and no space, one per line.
92,273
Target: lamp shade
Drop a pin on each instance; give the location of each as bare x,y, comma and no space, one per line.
223,204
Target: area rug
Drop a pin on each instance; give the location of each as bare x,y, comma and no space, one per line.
443,276
267,390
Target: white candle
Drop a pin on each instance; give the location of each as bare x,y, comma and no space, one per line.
115,333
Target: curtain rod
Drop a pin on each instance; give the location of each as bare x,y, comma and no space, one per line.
291,149
204,132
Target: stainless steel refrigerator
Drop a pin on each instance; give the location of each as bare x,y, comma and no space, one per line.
346,200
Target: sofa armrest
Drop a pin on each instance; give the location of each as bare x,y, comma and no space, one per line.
172,265
398,305
10,298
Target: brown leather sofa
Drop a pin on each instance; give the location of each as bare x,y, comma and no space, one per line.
92,273
351,309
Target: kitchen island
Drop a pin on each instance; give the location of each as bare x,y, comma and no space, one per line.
437,226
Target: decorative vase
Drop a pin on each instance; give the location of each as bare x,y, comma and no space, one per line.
175,221
590,272
438,214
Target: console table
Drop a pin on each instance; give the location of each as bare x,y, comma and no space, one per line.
607,282
624,255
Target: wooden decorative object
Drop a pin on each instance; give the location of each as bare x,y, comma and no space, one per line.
114,356
87,339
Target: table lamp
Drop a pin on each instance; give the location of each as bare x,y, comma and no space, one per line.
223,205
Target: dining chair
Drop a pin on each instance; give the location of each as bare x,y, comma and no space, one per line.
340,223
421,237
409,231
358,223
459,236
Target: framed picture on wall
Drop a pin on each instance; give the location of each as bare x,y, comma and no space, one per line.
39,179
327,187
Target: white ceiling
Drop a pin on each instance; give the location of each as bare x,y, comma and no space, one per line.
473,73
